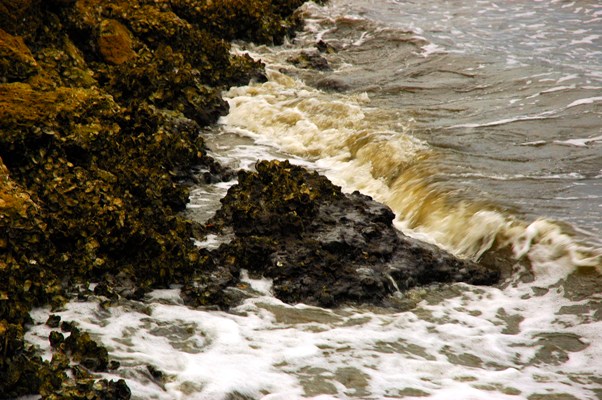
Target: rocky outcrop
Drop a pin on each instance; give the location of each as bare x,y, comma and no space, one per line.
321,246
101,109
309,60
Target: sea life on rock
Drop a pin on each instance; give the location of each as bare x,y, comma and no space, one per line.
101,109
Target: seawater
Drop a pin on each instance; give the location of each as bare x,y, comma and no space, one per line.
480,124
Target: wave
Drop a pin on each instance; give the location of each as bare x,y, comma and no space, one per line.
371,150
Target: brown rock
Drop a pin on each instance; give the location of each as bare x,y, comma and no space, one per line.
14,201
115,42
16,61
21,106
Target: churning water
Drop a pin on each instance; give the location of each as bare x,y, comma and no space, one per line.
480,124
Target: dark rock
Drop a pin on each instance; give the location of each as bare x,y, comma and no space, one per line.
309,60
13,13
53,321
323,247
324,47
56,339
332,84
260,21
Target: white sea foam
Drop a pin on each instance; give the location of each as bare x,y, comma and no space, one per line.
482,341
586,40
580,142
211,242
431,48
588,100
540,116
544,115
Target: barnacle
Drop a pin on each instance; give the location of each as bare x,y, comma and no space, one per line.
101,109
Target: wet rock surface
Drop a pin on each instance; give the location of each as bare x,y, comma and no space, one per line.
102,105
310,60
321,246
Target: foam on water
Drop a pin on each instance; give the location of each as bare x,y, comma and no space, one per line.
463,342
335,134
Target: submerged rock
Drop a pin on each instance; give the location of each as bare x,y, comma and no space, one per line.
310,60
323,247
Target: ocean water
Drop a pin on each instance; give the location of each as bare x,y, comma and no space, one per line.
480,124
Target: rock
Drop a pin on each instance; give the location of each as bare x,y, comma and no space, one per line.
16,60
12,13
62,3
23,249
327,248
19,366
114,42
309,60
332,84
324,47
261,21
101,109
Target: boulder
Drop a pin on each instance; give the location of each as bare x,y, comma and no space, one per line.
323,247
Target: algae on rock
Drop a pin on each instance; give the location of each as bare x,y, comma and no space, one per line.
101,109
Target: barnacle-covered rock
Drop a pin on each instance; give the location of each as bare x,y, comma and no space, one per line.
163,79
323,247
262,21
13,12
101,109
19,365
114,42
16,61
85,350
63,378
23,252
